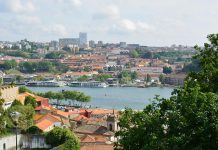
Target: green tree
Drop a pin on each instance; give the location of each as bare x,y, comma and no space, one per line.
187,120
59,136
2,118
148,78
29,100
161,78
15,103
19,78
23,89
208,76
34,130
54,55
70,144
194,66
83,78
134,75
167,70
102,77
26,119
10,64
147,54
134,54
1,81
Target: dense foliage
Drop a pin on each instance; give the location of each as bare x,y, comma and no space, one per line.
187,120
127,76
102,77
31,67
25,120
54,55
23,89
59,136
29,100
167,70
194,66
67,95
34,130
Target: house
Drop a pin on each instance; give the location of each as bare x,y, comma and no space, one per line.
175,79
90,142
76,75
47,122
9,93
102,113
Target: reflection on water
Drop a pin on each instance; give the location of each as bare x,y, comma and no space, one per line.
115,97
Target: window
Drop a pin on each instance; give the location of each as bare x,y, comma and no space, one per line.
4,146
110,127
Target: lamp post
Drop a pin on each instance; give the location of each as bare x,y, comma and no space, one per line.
15,117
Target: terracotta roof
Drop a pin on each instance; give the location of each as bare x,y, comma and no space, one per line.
21,97
44,124
93,139
61,113
93,129
43,107
88,139
37,117
104,111
79,118
53,118
97,147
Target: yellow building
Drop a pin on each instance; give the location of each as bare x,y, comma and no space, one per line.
9,94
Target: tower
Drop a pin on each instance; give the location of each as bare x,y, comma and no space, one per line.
82,39
112,123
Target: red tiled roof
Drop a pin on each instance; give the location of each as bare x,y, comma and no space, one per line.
44,124
81,117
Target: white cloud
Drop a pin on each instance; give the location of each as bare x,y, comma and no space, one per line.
108,12
26,19
18,6
56,29
130,26
76,3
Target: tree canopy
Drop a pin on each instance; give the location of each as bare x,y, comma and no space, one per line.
187,120
29,100
167,70
59,136
67,95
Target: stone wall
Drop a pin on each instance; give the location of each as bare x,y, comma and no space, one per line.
9,142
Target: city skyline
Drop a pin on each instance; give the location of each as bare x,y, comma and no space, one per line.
152,23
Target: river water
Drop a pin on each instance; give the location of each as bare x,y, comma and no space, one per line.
115,97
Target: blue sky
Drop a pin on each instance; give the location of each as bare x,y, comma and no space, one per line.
148,22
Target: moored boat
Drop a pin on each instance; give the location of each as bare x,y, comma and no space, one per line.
90,84
51,83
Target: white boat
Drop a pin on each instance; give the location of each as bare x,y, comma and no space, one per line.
90,84
51,83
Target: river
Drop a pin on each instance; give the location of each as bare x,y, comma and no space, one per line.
115,97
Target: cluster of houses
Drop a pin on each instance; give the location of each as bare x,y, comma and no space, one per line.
111,62
94,127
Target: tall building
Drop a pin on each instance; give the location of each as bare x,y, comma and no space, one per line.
68,41
54,45
92,44
82,39
100,43
123,45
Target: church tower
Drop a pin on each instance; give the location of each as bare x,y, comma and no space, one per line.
112,123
